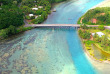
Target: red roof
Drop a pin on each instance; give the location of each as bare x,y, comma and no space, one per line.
94,20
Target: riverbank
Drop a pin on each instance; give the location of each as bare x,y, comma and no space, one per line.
102,67
11,31
88,40
105,3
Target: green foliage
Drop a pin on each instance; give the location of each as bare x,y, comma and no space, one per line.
7,2
4,33
108,31
89,42
84,26
39,12
12,30
32,17
10,15
102,15
105,41
7,32
101,27
22,29
41,18
38,20
29,3
84,34
27,17
96,38
26,9
53,1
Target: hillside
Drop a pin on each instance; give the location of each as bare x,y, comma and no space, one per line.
97,16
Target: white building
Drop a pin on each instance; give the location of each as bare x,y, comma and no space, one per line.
36,17
40,6
31,15
100,34
35,9
39,15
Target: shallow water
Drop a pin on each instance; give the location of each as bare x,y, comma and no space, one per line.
100,54
69,12
55,50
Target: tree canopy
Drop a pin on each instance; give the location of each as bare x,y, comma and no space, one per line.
10,15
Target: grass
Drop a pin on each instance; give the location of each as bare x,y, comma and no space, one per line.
88,43
107,49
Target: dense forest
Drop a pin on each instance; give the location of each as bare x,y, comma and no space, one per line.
38,15
98,16
13,13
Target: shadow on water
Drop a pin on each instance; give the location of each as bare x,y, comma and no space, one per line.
100,54
81,62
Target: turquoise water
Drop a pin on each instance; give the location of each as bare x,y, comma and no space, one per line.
70,11
54,50
80,61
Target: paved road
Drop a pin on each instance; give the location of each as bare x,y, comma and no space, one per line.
55,25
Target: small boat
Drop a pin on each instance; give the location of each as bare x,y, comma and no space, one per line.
69,19
54,10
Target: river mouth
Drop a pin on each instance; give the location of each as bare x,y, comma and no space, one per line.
49,50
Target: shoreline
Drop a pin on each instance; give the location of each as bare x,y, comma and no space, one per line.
88,54
83,45
105,3
101,67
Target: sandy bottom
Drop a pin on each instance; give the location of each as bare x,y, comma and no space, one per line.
105,3
101,67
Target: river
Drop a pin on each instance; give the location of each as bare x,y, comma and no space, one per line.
49,50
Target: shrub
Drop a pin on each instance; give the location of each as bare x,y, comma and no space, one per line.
32,17
3,33
12,30
27,17
84,26
7,32
84,35
101,27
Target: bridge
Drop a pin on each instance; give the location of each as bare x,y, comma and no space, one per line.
54,25
61,25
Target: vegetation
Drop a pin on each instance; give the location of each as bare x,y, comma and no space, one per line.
98,16
13,13
10,15
11,30
101,27
84,34
7,2
41,13
103,42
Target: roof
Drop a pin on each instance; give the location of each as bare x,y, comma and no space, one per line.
34,8
94,20
31,15
40,6
100,34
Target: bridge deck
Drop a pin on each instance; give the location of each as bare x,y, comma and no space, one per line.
40,25
58,25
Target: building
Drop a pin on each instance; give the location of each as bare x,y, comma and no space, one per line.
31,15
94,20
100,34
36,17
35,9
40,6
